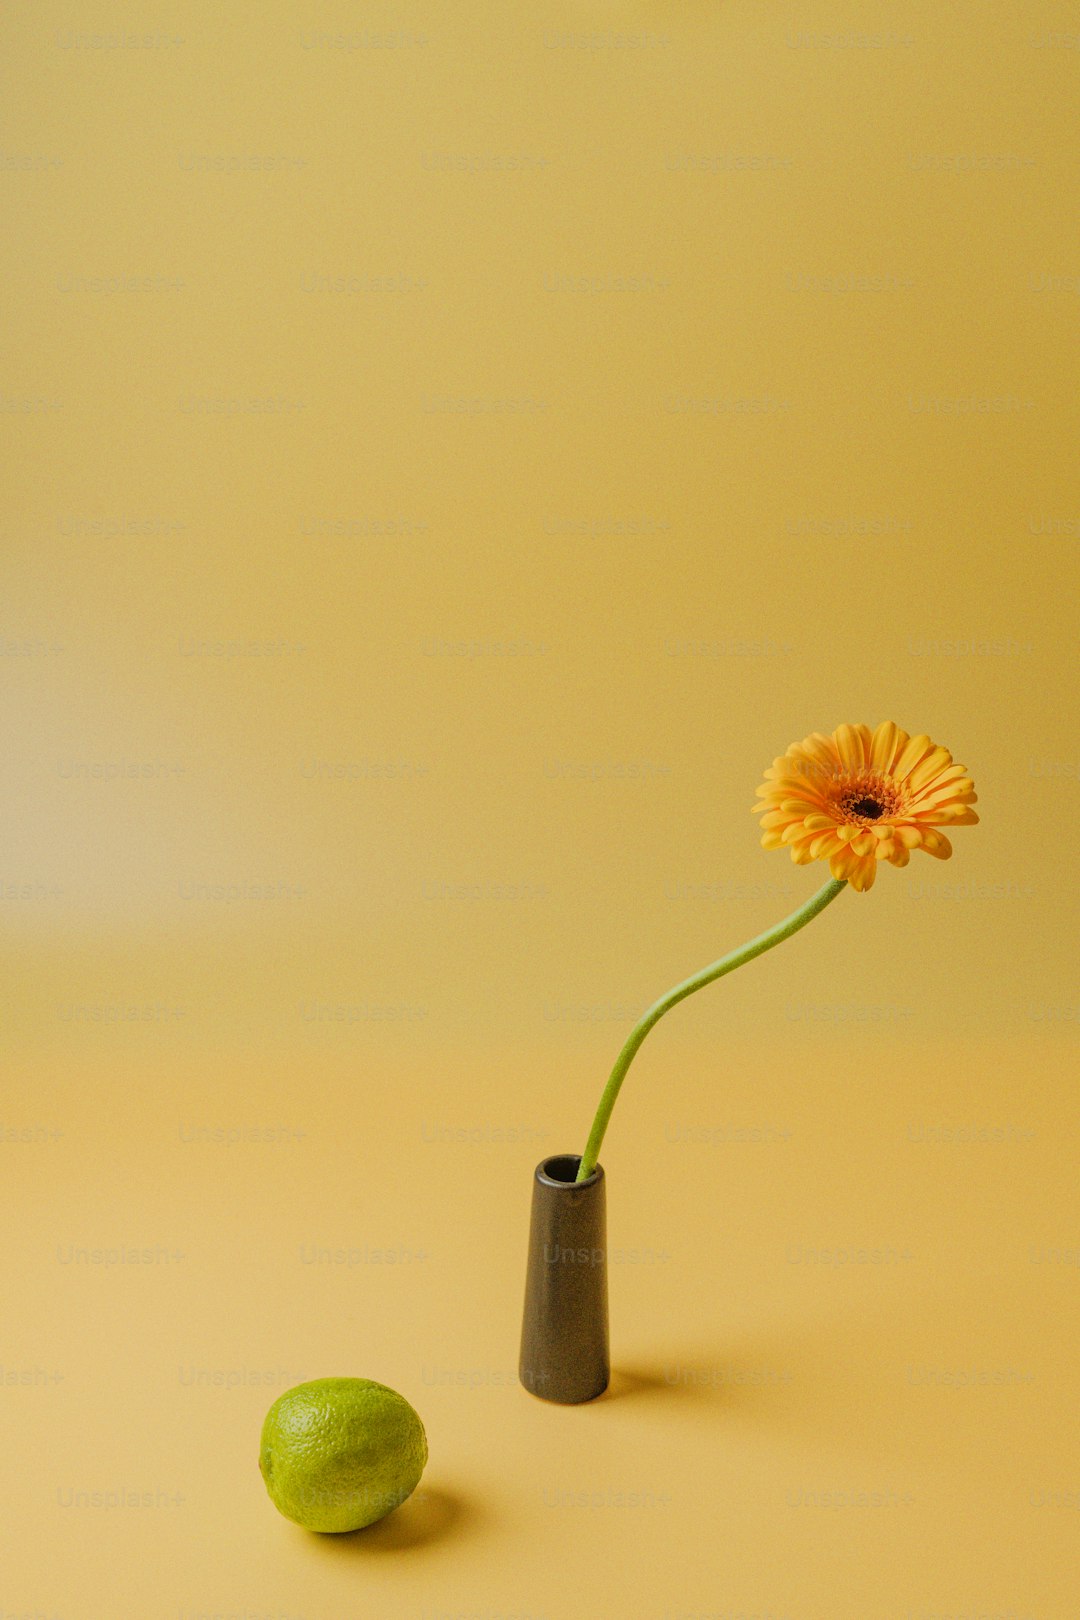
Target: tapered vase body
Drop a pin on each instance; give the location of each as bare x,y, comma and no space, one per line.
564,1334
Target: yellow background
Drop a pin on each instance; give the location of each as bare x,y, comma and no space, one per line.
451,449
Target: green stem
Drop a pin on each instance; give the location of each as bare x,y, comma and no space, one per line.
715,970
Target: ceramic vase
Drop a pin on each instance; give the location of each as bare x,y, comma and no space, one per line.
564,1335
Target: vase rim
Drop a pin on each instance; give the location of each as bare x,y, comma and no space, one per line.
544,1176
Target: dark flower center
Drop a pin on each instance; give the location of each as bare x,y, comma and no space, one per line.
866,807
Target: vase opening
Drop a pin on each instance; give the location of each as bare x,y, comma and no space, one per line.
563,1168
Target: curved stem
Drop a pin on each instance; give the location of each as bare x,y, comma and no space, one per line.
715,970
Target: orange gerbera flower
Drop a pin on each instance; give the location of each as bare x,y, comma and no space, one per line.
860,797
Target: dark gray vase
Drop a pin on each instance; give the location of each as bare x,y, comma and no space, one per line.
564,1334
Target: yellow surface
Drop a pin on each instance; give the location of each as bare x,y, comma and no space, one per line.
451,451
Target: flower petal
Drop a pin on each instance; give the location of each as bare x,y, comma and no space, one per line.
863,874
952,773
936,761
939,793
820,749
883,745
951,815
915,750
849,745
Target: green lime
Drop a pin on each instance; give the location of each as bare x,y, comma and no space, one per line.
339,1453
